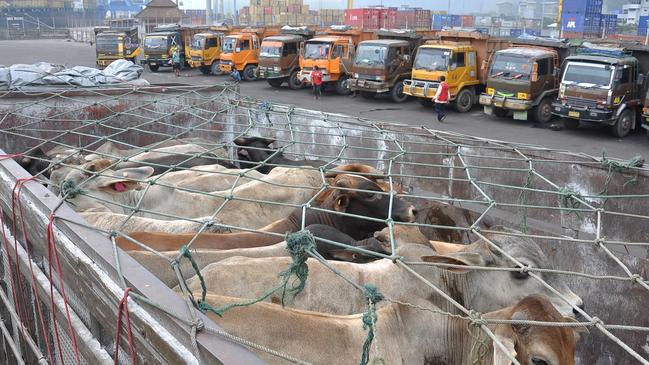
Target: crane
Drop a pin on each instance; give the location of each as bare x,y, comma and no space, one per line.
350,4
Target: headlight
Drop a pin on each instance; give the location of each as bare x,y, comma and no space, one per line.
357,76
491,91
523,96
380,78
562,91
277,69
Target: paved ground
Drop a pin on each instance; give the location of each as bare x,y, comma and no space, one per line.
592,140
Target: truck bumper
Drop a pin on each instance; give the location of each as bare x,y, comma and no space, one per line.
267,73
226,67
158,62
420,89
105,62
520,107
196,64
305,76
368,85
586,114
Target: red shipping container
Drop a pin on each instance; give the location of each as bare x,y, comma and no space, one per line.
363,18
406,19
245,10
423,19
268,11
468,21
388,18
294,8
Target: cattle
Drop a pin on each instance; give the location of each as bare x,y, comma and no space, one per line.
252,151
354,195
477,289
125,224
403,334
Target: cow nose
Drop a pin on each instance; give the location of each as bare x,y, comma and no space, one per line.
581,306
412,214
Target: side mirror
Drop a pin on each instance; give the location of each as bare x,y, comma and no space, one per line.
237,50
406,58
535,72
641,79
484,65
453,66
556,72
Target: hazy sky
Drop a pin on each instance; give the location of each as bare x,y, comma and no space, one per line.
457,6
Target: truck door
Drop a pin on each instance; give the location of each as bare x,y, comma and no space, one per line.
243,56
545,71
623,85
212,48
459,71
336,59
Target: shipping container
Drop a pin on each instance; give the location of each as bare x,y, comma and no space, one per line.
388,18
482,21
642,25
414,19
368,18
582,6
468,21
515,32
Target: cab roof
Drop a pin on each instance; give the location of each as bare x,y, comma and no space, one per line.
285,38
387,42
603,59
209,34
331,38
527,52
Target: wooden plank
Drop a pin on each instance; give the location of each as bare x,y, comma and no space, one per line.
84,253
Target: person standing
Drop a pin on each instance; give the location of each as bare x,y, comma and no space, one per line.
175,61
316,79
441,99
236,76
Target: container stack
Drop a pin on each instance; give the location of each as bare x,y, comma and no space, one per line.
414,18
441,21
642,25
371,18
327,17
609,24
581,18
275,12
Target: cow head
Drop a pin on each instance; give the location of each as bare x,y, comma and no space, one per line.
534,345
360,196
489,289
253,150
104,188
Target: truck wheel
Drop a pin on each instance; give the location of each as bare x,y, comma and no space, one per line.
276,83
205,70
542,113
249,73
368,95
500,112
623,125
396,93
464,101
216,69
341,86
154,68
426,103
293,81
571,123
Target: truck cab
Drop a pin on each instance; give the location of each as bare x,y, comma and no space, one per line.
523,79
114,44
333,54
158,46
205,52
241,51
381,65
279,60
603,85
456,56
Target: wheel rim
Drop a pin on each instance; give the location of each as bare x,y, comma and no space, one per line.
465,100
294,80
399,93
546,112
625,124
250,73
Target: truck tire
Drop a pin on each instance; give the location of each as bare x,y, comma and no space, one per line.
341,86
500,112
249,73
623,125
396,93
275,83
426,103
205,70
571,123
294,82
368,95
465,100
216,69
542,113
154,68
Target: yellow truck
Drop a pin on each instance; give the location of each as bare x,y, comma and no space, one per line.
457,55
116,43
205,50
241,51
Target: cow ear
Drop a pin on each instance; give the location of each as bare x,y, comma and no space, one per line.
241,141
505,336
520,329
341,203
578,331
458,258
97,165
444,248
243,152
124,179
266,141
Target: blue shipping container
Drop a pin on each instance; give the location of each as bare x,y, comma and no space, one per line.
515,32
582,6
572,22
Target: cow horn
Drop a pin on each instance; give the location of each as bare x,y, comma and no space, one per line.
444,248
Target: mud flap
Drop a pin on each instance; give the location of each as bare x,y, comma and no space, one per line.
489,110
520,114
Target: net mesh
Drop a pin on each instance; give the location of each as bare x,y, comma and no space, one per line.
586,213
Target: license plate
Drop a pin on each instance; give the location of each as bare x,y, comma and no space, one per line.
152,63
573,114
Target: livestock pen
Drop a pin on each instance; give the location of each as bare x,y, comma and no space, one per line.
65,282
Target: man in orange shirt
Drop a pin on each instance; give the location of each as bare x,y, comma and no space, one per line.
316,80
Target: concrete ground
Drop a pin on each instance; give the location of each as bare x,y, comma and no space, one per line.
592,140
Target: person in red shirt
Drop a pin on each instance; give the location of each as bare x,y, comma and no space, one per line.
316,80
441,99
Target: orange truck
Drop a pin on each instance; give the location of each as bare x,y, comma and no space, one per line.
241,50
333,53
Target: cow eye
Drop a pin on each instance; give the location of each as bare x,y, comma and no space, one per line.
537,361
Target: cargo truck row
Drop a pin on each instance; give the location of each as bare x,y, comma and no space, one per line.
528,79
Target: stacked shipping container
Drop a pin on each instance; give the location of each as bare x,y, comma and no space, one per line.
372,18
276,12
642,25
420,19
609,23
581,18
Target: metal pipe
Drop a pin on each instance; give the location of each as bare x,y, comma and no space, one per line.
11,343
16,319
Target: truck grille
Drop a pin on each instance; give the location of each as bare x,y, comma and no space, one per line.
580,103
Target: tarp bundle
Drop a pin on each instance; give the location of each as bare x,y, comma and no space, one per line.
43,73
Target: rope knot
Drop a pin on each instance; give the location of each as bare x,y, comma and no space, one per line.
112,234
476,319
199,325
209,222
70,189
372,296
595,321
636,277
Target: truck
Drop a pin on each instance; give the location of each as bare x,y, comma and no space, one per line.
241,51
116,43
524,79
333,53
603,84
279,60
457,56
159,45
381,65
205,50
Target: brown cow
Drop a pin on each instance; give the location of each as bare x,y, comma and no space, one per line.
344,197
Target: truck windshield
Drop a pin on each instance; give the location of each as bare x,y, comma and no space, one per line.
108,43
432,59
155,42
511,66
588,75
371,55
317,50
271,50
229,45
198,43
